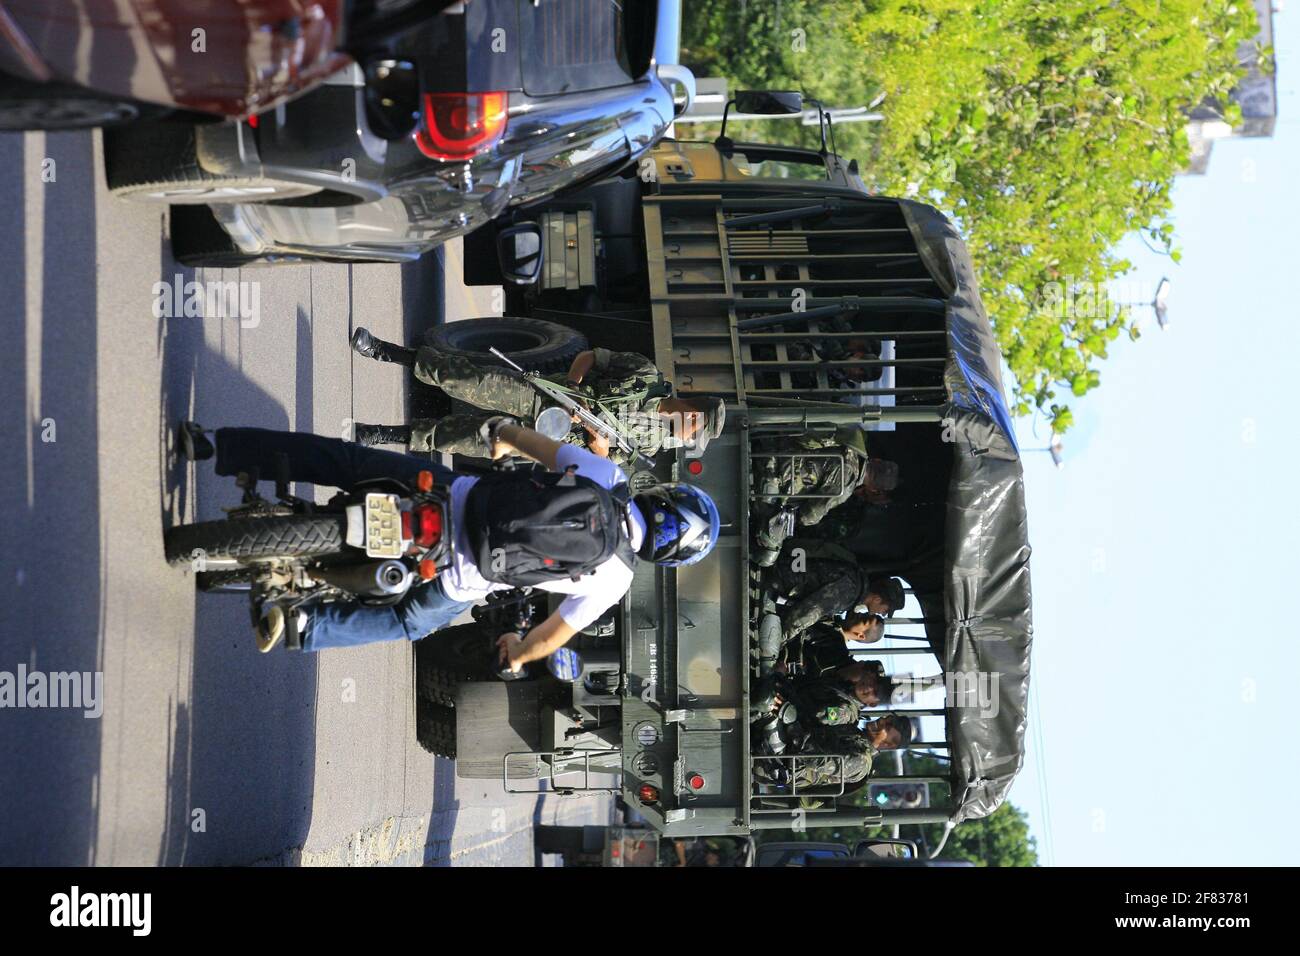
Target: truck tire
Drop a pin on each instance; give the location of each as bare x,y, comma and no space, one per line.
435,729
158,163
536,345
450,657
276,536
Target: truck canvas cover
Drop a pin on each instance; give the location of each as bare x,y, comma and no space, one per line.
988,627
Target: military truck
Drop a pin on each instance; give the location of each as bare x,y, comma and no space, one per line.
746,271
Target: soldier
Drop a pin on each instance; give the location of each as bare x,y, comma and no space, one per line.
626,385
840,350
838,753
856,750
824,580
834,479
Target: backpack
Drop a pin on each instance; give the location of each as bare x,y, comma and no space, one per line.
527,528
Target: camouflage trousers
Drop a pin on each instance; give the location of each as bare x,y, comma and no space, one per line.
498,391
824,588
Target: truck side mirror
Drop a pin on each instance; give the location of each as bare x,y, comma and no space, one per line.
392,98
765,102
519,253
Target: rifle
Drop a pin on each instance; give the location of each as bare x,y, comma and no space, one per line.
607,430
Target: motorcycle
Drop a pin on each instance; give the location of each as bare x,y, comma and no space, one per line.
369,545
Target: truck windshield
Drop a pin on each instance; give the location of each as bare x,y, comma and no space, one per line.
785,164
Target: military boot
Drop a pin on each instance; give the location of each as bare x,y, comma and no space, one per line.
367,346
369,435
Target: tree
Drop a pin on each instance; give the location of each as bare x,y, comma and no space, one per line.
1049,129
1000,839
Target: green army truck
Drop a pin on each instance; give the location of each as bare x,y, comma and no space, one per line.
755,272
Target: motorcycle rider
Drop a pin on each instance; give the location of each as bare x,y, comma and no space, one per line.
671,523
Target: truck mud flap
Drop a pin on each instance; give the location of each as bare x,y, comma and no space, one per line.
495,718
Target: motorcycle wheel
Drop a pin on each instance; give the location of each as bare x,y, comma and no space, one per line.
248,539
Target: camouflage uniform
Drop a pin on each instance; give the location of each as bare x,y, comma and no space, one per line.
626,385
831,583
837,350
835,478
819,701
846,742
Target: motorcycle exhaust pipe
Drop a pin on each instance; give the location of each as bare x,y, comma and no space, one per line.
370,578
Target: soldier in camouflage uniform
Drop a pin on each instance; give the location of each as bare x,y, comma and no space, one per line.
626,386
840,350
855,747
856,750
820,579
838,467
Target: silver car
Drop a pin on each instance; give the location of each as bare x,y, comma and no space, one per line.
509,101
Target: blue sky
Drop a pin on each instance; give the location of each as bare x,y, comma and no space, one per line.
1165,564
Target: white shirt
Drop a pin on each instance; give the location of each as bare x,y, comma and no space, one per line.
589,596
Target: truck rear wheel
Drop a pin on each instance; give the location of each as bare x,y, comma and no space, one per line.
450,657
435,729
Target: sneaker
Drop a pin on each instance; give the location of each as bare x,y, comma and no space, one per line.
194,444
270,629
369,435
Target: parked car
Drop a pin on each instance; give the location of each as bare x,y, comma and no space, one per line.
67,64
515,101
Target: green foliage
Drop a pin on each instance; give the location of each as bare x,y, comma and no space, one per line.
1049,129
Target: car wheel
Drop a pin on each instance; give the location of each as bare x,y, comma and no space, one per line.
158,163
25,105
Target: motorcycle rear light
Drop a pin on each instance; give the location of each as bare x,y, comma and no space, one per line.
406,526
428,525
648,793
460,126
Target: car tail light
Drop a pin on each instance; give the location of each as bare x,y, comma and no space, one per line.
459,126
648,793
427,524
695,466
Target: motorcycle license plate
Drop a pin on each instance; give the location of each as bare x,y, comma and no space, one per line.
383,526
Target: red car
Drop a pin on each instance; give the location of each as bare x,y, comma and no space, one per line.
75,63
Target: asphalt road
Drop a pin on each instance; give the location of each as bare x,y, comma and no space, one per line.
206,752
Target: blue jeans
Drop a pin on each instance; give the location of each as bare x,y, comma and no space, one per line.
340,464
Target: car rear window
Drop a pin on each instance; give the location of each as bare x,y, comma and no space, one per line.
575,46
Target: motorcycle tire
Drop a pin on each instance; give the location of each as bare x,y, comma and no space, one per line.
250,539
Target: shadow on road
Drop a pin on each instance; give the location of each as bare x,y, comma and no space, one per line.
242,763
51,620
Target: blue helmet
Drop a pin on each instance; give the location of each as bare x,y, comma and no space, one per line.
681,523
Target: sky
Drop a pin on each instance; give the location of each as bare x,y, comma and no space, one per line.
1164,568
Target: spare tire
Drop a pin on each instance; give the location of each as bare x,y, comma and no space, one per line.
536,345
